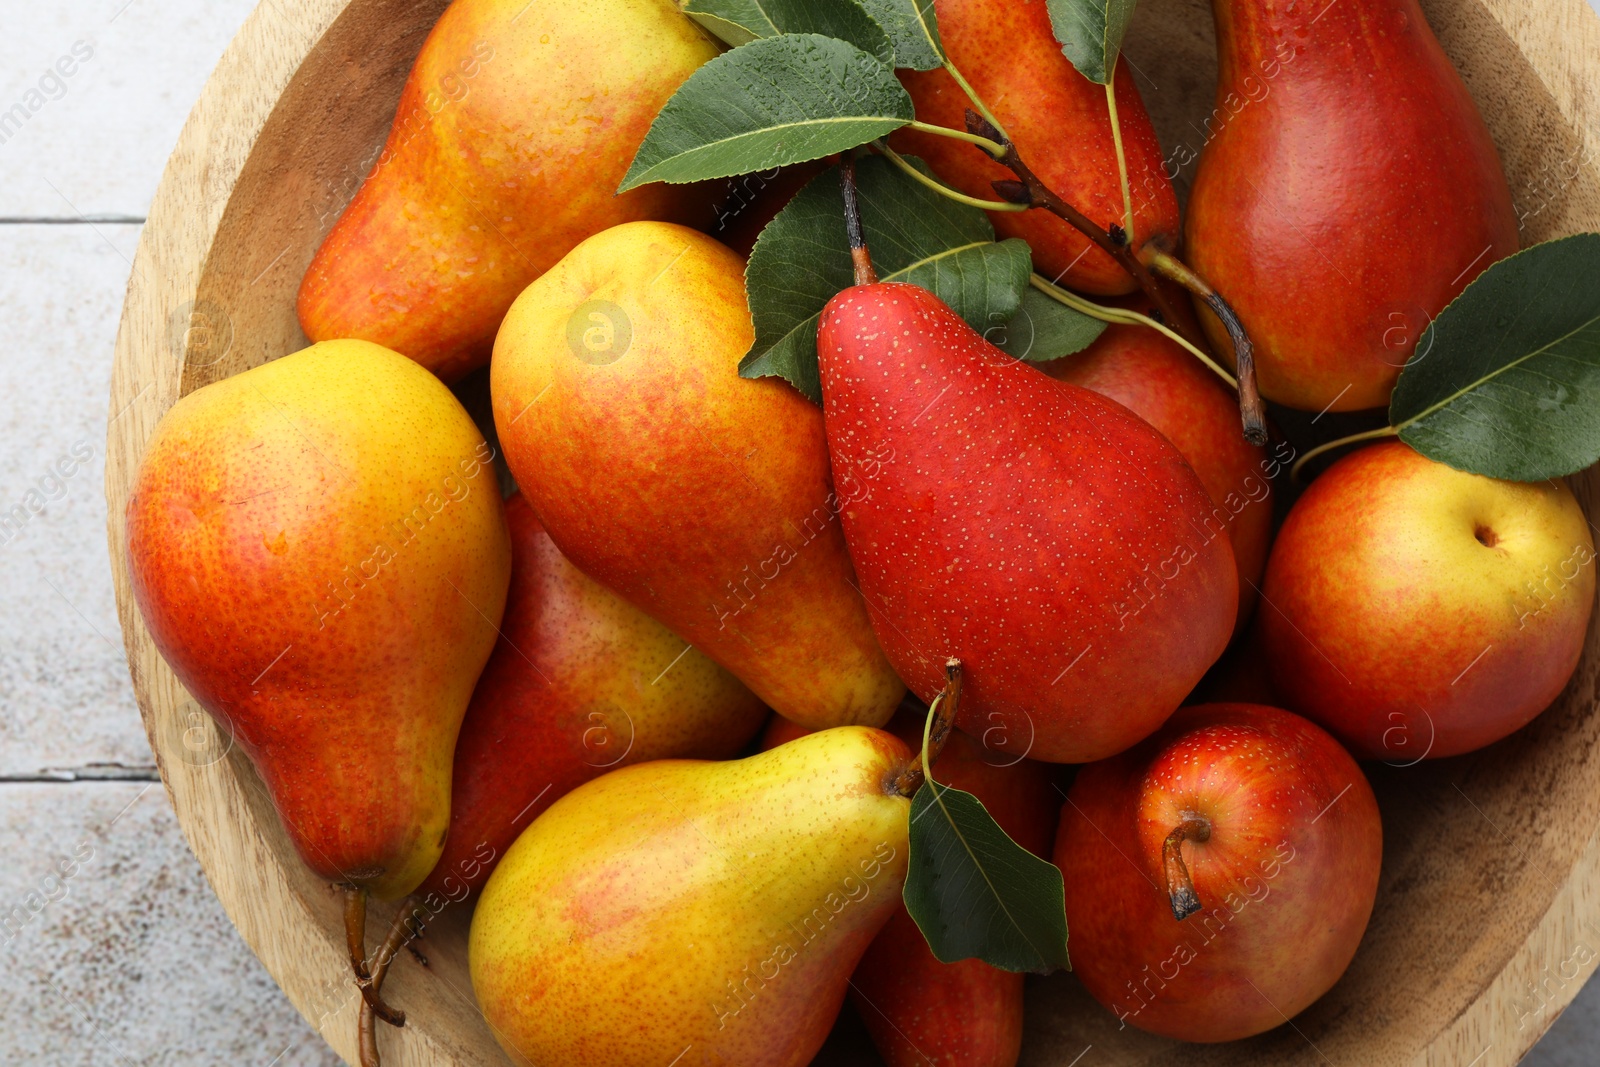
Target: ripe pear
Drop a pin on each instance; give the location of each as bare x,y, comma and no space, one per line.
1421,611
579,683
320,553
702,497
1348,192
1153,377
1264,839
1048,538
1061,125
692,913
514,128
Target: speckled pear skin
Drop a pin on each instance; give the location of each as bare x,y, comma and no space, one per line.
702,497
694,913
1349,191
1044,535
1286,882
512,134
1061,126
580,682
1156,379
319,551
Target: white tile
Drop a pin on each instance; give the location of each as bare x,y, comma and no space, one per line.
95,141
113,950
65,698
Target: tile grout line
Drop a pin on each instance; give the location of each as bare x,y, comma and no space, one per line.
86,220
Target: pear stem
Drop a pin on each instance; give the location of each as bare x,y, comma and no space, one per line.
860,258
1126,317
972,94
355,928
1116,141
992,145
1251,411
1328,446
1180,887
939,187
410,909
935,732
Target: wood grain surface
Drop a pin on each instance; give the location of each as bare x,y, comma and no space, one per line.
1488,919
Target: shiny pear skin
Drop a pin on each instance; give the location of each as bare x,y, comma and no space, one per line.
695,913
702,497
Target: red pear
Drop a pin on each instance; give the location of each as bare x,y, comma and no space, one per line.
1045,536
580,682
1061,124
1256,830
1157,380
1348,192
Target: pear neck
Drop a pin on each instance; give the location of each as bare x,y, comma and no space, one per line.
1255,38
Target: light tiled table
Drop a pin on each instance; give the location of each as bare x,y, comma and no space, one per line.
127,959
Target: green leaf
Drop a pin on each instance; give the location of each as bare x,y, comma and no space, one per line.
739,22
975,893
1044,329
1090,32
1506,381
913,30
728,31
774,101
916,235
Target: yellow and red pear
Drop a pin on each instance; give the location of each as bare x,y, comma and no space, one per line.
512,134
319,551
702,497
695,913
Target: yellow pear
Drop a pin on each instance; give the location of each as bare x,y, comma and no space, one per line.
687,913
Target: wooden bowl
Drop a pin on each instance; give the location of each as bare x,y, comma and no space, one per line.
1488,917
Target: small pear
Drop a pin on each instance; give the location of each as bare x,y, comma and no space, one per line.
580,682
320,553
692,913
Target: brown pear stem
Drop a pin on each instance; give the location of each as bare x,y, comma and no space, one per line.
1032,191
1180,887
1251,411
860,258
410,911
355,928
943,710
